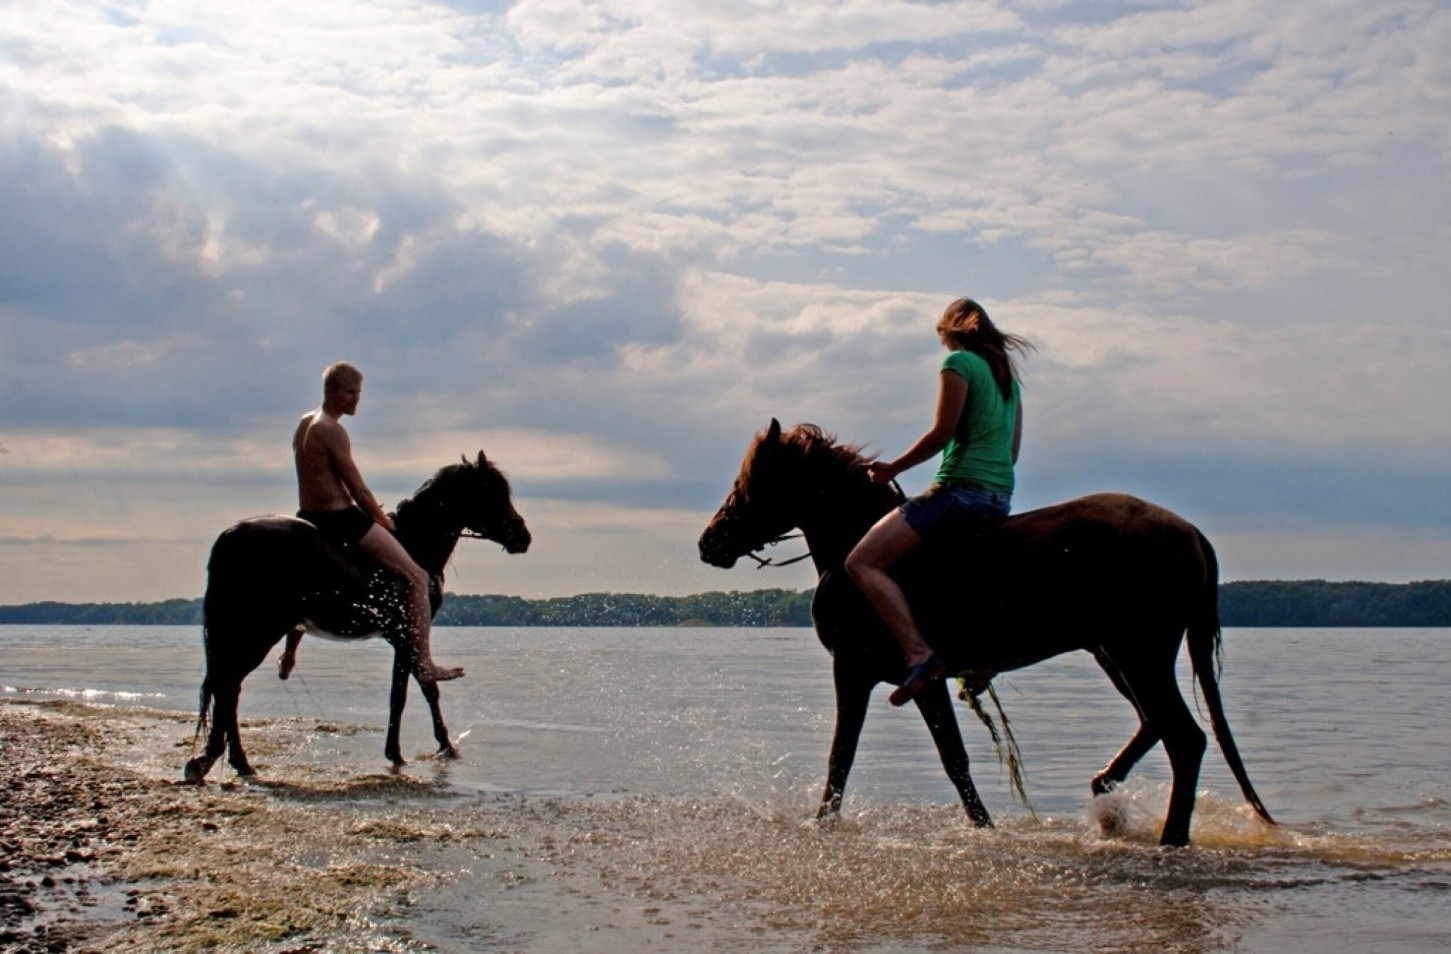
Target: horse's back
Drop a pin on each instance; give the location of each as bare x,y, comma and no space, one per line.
265,572
1040,581
1102,534
1117,513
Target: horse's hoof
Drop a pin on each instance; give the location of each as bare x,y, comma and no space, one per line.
1110,818
196,772
1102,785
446,752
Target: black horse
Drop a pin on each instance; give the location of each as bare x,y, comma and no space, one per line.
270,574
1108,574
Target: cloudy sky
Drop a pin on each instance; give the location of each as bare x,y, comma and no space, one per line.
607,241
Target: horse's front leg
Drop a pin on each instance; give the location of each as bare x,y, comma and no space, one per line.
440,731
397,698
853,692
935,704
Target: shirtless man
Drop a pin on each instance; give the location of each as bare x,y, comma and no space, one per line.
332,497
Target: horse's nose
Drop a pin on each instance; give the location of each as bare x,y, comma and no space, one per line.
518,538
714,551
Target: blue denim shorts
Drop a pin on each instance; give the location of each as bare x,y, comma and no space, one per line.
953,508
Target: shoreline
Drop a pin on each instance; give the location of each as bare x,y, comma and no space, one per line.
98,854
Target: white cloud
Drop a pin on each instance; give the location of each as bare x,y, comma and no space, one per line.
607,241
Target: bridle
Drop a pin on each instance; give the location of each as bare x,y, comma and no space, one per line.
753,550
763,562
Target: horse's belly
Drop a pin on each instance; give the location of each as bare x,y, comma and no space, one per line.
338,633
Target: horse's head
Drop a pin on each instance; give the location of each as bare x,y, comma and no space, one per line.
471,498
768,497
489,512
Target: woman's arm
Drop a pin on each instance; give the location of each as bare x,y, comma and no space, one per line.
1017,430
951,399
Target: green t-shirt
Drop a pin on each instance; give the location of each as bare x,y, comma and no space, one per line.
981,452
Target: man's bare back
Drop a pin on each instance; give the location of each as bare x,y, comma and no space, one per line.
327,477
321,441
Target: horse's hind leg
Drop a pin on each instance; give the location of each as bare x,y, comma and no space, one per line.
1144,738
1157,691
198,767
225,714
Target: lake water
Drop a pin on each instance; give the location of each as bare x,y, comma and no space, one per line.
660,786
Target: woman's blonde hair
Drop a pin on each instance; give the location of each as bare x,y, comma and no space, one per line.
965,326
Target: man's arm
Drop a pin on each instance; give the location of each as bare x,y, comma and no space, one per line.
340,458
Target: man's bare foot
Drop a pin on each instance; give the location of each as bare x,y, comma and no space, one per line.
432,672
289,653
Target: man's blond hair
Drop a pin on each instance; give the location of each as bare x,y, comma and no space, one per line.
340,375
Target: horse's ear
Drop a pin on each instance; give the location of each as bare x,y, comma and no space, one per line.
482,461
773,433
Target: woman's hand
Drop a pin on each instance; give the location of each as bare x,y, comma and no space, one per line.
882,472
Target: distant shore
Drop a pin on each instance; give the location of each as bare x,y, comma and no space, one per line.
1250,603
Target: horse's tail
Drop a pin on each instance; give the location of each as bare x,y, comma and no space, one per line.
1205,646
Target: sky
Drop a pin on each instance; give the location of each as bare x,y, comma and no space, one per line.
606,242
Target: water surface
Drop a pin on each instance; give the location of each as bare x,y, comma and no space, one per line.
658,785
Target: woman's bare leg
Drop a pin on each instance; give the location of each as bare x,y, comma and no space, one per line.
385,548
888,541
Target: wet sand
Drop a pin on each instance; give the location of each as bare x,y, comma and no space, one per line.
98,855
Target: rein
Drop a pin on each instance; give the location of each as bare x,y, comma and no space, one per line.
763,562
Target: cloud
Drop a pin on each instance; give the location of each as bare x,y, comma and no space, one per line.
607,242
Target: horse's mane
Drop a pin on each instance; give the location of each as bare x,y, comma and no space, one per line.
816,448
450,476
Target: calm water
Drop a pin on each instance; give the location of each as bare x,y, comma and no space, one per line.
659,786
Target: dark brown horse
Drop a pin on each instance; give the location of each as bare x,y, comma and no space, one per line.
270,574
1108,574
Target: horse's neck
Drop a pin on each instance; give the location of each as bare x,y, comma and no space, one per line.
843,518
430,547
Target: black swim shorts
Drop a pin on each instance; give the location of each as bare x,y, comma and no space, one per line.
341,528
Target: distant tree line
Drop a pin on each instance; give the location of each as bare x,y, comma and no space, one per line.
1268,603
750,608
1318,603
166,613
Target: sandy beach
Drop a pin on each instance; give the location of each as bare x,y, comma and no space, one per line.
96,855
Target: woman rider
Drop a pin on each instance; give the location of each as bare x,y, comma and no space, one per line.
978,426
